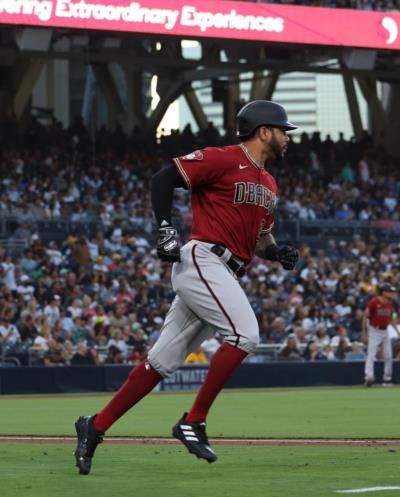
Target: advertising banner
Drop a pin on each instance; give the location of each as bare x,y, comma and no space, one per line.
216,19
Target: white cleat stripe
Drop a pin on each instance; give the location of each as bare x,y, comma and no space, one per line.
192,439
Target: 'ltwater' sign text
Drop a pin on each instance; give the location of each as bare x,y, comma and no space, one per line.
185,378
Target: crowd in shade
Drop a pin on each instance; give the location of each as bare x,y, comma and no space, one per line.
102,297
380,5
53,173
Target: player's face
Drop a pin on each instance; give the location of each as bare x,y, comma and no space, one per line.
279,143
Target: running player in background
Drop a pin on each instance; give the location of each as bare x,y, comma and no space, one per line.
233,200
377,317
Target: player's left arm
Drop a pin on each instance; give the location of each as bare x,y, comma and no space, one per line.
286,255
163,185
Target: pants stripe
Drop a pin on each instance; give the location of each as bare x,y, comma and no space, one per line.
215,297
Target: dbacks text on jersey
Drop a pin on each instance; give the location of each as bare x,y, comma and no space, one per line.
255,194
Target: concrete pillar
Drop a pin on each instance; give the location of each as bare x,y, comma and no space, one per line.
354,107
378,117
391,140
262,86
195,108
168,90
232,103
25,85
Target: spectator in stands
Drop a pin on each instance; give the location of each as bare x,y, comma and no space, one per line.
55,354
52,310
80,253
25,288
290,351
81,330
114,356
9,272
27,329
313,351
9,335
84,355
277,332
198,356
342,349
357,352
340,337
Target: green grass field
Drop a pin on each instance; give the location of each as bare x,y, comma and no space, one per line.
44,469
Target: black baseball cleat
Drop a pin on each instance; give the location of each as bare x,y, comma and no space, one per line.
88,439
194,438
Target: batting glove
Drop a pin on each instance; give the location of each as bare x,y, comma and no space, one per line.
168,247
287,256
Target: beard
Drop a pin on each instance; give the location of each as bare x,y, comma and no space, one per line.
277,151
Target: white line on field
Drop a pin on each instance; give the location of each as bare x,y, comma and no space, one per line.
366,489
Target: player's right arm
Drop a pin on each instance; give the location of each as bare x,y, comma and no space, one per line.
286,255
162,192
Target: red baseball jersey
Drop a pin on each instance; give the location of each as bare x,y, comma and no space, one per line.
379,312
233,199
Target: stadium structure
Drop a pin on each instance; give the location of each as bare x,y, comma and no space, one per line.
119,46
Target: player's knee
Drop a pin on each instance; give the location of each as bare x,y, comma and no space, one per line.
163,367
248,342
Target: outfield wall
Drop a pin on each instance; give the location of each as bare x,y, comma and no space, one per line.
70,379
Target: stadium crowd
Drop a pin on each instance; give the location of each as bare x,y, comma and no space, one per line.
89,299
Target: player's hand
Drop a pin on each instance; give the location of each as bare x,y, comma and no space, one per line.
287,256
168,246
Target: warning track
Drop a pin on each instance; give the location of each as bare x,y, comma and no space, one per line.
393,442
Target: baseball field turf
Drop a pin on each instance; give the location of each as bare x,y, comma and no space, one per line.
245,467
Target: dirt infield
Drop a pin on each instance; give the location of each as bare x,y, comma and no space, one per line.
395,442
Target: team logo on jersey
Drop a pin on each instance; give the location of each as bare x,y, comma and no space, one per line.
255,194
196,155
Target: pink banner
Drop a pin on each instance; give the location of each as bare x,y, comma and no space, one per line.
215,19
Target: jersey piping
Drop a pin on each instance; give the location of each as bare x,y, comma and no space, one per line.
182,172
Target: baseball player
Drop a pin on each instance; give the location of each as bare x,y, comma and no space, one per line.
376,319
233,200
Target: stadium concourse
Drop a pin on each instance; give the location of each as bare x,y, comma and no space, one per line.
94,290
380,5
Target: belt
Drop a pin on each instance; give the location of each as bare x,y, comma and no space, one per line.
234,264
379,328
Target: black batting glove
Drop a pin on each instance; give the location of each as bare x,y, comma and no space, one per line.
287,256
168,246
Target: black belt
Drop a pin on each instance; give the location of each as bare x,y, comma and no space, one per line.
233,264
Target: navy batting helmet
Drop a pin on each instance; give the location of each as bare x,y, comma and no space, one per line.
262,113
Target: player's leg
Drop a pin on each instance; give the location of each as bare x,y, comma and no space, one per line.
181,333
388,359
166,353
211,291
218,299
372,349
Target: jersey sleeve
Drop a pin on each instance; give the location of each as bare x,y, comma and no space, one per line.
269,218
268,224
201,167
371,305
